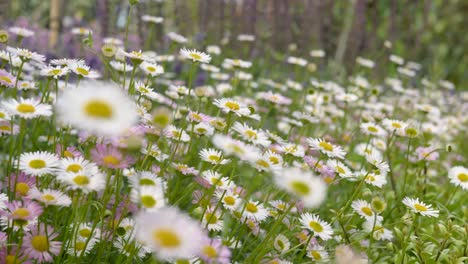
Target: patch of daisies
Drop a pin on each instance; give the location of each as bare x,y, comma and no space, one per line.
135,162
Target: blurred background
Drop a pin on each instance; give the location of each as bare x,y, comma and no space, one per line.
429,32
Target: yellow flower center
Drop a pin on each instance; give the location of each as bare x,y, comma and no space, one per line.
326,146
48,197
229,200
25,108
463,177
195,56
210,251
148,201
82,71
300,188
11,259
232,106
55,72
79,245
420,207
251,134
396,125
111,160
21,213
216,181
262,163
340,170
146,181
22,188
151,68
367,211
5,128
251,208
166,238
273,159
370,178
81,180
6,79
40,243
280,244
85,232
214,158
98,109
315,254
372,129
37,164
74,168
316,226
211,218
68,154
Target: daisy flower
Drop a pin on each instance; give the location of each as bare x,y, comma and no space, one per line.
281,243
155,152
26,55
54,72
7,129
252,135
320,228
419,207
378,231
373,129
27,108
170,233
215,252
340,168
228,198
176,37
22,183
39,244
374,179
310,189
50,197
195,56
293,149
152,19
363,208
121,66
229,105
97,107
22,211
21,31
85,180
130,247
150,198
38,163
76,164
212,220
254,210
365,62
83,70
146,178
326,148
396,126
317,253
215,178
458,175
175,133
151,68
213,156
6,79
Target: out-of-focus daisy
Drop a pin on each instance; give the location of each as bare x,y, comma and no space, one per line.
317,253
176,37
83,70
250,134
6,128
194,55
27,108
50,197
175,133
327,148
6,79
317,53
458,175
281,243
121,66
212,220
230,63
26,55
213,49
365,62
214,252
420,207
54,72
111,157
81,31
151,68
320,228
97,107
169,233
38,163
310,189
373,129
21,31
152,19
39,244
246,37
376,228
213,156
215,178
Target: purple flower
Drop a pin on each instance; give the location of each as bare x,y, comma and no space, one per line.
110,157
427,153
22,211
213,251
22,183
39,245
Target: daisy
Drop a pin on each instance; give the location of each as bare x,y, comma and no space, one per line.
246,37
38,163
252,135
310,189
317,53
54,72
76,164
374,179
81,31
50,197
7,129
169,233
273,157
150,198
21,31
97,107
6,79
419,207
151,68
254,210
215,178
27,108
176,37
320,228
39,244
110,157
215,252
22,183
373,129
83,70
365,62
327,148
148,179
213,156
236,147
212,220
396,126
213,49
80,247
293,149
317,253
458,175
340,168
88,232
21,212
195,56
365,150
363,208
262,162
174,133
26,55
229,199
155,152
229,105
281,243
121,66
131,248
85,180
378,231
